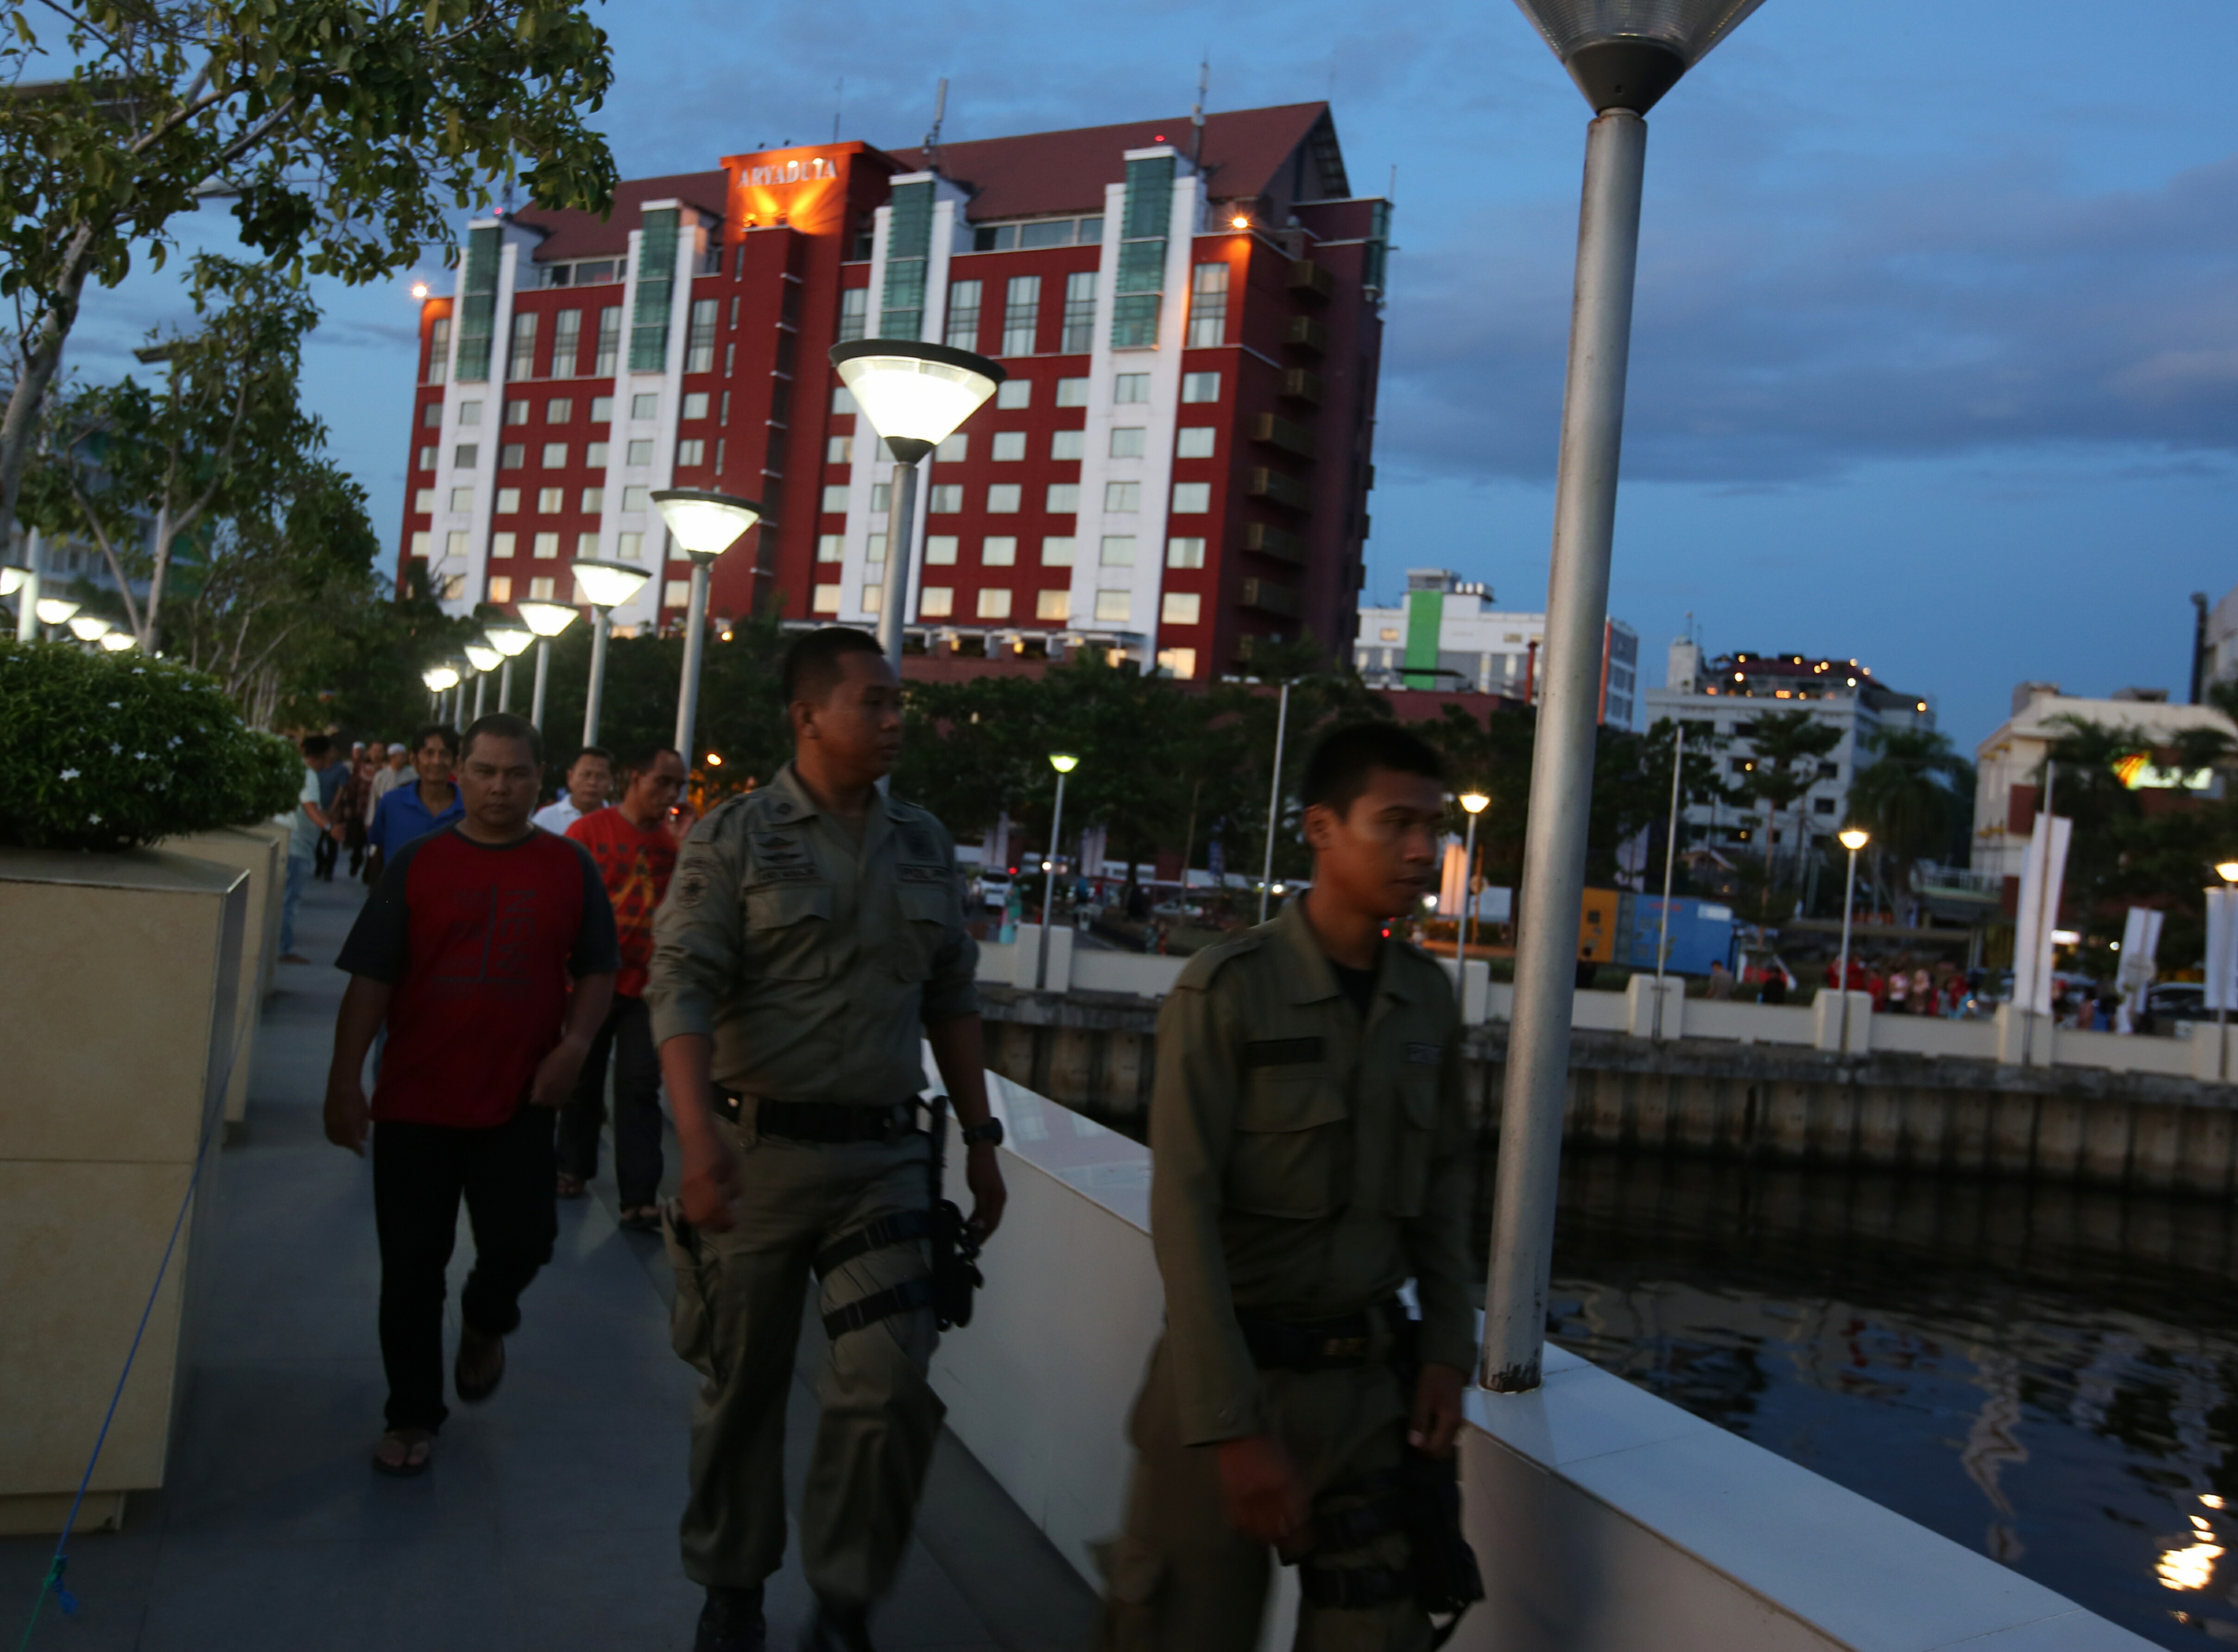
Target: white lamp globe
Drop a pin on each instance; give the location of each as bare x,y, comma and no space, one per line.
511,640
545,618
914,394
52,611
439,677
483,657
87,627
608,585
117,641
705,525
11,580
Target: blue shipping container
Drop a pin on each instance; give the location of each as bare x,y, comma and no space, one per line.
1701,933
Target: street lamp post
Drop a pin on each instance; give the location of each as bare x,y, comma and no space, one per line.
1274,802
51,611
607,585
485,659
1852,839
914,396
22,583
705,525
545,620
1474,803
1063,762
2220,971
1670,864
437,679
1624,55
509,641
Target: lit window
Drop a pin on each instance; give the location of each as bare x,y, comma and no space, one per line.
594,500
689,452
1127,441
1003,498
835,499
454,544
1070,392
1122,497
1063,499
549,501
936,601
645,406
1191,499
595,456
555,456
1117,551
560,409
1057,552
501,546
602,410
955,450
641,453
586,543
1068,444
998,551
826,600
964,315
1179,608
676,593
423,501
1185,553
547,546
843,400
1177,662
541,589
994,605
832,547
1195,441
695,405
874,599
637,498
1129,388
839,450
1208,324
940,547
470,412
421,545
1008,444
1114,607
1200,387
500,588
1015,392
1056,605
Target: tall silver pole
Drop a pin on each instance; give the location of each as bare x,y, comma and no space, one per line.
1670,862
1461,928
27,600
1562,762
1273,802
695,644
1842,971
2043,919
505,684
481,693
893,609
598,675
543,671
1048,888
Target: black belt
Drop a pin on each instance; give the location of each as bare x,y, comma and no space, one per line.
1319,1344
824,1121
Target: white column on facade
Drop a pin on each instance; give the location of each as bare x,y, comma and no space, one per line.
612,524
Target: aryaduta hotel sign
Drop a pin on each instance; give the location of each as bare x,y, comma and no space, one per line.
800,170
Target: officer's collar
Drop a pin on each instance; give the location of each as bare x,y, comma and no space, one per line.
794,803
1306,967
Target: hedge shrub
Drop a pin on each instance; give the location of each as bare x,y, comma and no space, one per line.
110,751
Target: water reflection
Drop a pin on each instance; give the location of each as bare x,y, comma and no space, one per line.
2045,1374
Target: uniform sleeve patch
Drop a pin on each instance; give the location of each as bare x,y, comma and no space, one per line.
765,875
910,874
690,887
1425,1055
1282,1052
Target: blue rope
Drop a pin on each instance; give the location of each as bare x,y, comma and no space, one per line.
60,1564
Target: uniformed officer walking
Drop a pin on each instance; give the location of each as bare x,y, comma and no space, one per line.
1310,1156
812,934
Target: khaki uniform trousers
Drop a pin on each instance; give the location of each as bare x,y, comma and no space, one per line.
738,1320
1181,1579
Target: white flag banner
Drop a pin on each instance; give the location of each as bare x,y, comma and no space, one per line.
2041,873
2222,948
1453,881
2140,946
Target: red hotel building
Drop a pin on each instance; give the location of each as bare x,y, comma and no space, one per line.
1179,462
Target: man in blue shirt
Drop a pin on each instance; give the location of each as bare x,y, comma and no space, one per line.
408,812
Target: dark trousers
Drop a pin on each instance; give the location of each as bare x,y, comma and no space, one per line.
419,1172
628,1033
322,860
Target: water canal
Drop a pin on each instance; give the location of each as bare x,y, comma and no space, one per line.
2049,1375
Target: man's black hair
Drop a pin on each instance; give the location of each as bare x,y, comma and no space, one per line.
1338,770
317,745
505,725
811,666
442,731
601,752
642,762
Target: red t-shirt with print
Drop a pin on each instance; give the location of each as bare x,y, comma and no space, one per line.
635,863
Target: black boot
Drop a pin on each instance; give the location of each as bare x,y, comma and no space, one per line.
838,1628
731,1621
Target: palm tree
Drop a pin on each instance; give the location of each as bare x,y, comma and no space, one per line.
1788,746
1905,795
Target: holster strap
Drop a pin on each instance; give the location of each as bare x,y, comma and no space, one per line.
908,1295
1353,1588
1316,1344
831,1122
900,1227
1342,1529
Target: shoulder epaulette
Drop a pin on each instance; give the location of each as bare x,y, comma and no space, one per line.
1197,973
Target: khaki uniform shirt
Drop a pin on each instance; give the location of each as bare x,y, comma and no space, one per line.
1305,1163
813,963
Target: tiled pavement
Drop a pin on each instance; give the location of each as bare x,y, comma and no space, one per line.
549,1519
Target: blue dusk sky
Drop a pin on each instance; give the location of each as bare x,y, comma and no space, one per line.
1936,356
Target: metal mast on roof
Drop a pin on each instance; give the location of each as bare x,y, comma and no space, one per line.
932,137
1196,114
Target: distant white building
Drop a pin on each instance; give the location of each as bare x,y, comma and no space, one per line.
2009,762
1447,635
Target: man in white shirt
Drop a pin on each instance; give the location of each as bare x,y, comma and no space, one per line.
398,770
590,778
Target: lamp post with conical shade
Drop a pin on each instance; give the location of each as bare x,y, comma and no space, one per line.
485,659
1624,56
704,526
605,587
546,620
914,396
439,679
510,641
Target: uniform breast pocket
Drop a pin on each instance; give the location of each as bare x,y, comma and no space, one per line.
1418,1138
786,926
925,910
1290,1154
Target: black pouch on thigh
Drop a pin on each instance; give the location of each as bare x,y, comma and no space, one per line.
692,1321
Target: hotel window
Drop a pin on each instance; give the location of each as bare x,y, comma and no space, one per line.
555,456
1063,499
1055,605
826,600
508,501
936,601
500,587
1121,498
1177,662
541,589
559,410
1068,444
645,407
439,349
421,543
1128,388
874,547
520,363
843,400
637,498
423,501
566,350
640,451
1127,441
630,547
839,450
1208,306
874,599
454,544
881,497
1195,441
1015,392
964,315
431,416
595,456
501,546
1117,551
1114,607
610,342
470,412
832,547
1057,552
586,544
998,551
1185,553
516,413
955,450
547,546
1072,392
700,342
854,314
1008,444
602,410
1200,387
1191,498
994,605
1180,607
513,456
549,501
675,593
695,405
940,547
1079,313
691,452
466,456
946,498
1021,312
835,499
463,499
1003,498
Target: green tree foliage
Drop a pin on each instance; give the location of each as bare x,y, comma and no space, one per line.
1910,797
346,134
1788,747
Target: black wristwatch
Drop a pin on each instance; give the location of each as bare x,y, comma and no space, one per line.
991,1132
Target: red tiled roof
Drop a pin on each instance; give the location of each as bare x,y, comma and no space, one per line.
583,235
1057,172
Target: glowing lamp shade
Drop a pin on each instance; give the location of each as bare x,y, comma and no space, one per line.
545,618
608,585
1063,761
52,611
1474,802
87,627
1626,54
11,580
439,677
511,640
705,525
419,289
483,657
117,641
915,395
2227,871
1853,838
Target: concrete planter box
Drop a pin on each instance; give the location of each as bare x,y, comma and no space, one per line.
264,855
118,1015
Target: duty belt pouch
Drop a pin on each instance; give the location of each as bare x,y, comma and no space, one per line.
690,1322
1446,1580
955,1254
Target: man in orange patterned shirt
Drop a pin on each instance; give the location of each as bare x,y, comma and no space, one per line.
635,846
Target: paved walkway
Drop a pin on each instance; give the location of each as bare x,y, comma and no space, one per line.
549,1520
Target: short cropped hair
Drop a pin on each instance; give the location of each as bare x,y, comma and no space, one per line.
505,725
1341,764
599,752
442,731
642,762
317,745
811,666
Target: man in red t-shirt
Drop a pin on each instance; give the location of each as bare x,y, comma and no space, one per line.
487,948
635,845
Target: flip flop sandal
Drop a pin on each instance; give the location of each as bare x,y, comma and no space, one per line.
418,1446
476,1378
642,1219
570,1186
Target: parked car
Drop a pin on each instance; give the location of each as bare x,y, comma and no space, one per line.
995,888
2180,1000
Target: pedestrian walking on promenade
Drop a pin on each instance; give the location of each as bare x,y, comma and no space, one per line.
307,826
466,951
590,782
812,941
1312,1155
352,809
333,775
634,844
410,811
